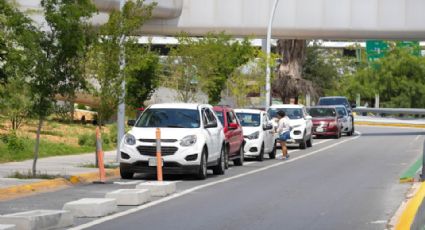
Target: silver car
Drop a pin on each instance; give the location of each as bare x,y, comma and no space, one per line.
346,120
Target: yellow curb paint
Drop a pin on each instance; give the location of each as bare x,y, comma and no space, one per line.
389,124
47,185
408,215
408,180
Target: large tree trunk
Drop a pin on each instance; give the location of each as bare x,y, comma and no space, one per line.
36,147
289,82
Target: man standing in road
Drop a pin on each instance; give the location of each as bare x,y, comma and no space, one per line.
283,129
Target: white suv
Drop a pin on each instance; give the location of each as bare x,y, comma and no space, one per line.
300,122
191,141
258,133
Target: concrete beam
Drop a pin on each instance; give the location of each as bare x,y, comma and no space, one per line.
130,196
91,207
39,219
7,227
158,188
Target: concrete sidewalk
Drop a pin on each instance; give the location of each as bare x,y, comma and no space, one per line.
59,165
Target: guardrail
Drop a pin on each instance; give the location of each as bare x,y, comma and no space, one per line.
404,111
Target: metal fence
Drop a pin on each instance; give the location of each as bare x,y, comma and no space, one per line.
392,111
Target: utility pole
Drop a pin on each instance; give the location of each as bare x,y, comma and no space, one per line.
121,106
268,47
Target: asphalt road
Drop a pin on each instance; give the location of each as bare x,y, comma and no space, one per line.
350,183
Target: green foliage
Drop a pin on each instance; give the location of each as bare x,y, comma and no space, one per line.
206,63
105,54
142,75
397,78
87,139
13,142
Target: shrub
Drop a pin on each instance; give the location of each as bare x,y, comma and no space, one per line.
13,142
87,139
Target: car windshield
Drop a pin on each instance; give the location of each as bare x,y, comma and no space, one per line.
292,113
172,118
249,119
322,112
341,111
220,116
334,101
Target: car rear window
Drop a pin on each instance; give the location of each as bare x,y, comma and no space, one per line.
172,118
249,119
322,112
333,101
220,116
292,113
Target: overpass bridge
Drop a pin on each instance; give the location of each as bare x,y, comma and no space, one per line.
308,19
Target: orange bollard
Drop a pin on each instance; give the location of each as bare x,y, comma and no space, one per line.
99,154
158,155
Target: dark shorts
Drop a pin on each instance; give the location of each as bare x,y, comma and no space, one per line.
284,136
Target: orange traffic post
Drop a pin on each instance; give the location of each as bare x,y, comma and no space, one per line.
99,154
158,155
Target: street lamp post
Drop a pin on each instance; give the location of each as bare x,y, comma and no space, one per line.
121,106
268,48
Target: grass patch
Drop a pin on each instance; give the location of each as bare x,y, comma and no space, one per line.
91,165
28,175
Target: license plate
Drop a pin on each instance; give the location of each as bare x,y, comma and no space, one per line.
319,129
152,162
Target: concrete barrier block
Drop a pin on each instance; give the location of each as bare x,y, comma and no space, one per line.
91,207
7,227
158,188
38,219
130,196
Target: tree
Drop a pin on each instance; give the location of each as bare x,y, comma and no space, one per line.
142,74
18,41
290,82
213,58
70,36
105,54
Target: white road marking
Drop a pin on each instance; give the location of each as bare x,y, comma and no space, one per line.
127,182
417,137
379,222
187,191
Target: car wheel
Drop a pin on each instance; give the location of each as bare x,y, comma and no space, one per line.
272,154
350,133
303,144
125,173
310,141
241,159
202,173
338,135
226,158
260,157
219,169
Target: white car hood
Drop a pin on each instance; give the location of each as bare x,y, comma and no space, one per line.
250,130
166,133
296,122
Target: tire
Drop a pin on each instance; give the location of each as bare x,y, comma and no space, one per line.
241,159
272,154
310,141
226,158
125,173
220,168
202,173
303,144
350,133
260,157
338,135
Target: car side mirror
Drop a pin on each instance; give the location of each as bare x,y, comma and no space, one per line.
353,106
233,126
308,117
267,127
211,125
131,122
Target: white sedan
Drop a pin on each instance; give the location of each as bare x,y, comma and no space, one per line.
258,133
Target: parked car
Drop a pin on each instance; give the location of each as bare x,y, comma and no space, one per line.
346,120
325,121
192,140
258,133
233,135
339,100
299,120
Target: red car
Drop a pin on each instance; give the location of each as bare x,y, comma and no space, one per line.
326,121
233,135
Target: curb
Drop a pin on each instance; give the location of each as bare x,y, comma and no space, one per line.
368,123
408,215
410,173
17,191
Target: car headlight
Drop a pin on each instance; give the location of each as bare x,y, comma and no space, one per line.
253,135
188,140
129,139
332,123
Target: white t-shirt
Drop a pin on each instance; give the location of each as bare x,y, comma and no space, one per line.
283,125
